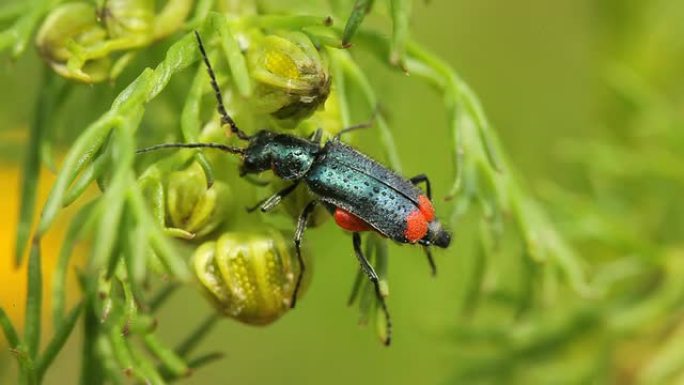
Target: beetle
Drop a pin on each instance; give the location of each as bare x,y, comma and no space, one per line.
359,192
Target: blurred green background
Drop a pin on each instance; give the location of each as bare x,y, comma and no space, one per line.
536,66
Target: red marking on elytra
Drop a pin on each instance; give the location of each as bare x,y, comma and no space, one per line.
416,226
426,208
349,221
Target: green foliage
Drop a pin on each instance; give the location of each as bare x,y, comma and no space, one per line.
621,215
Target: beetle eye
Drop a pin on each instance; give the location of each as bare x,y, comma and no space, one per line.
248,164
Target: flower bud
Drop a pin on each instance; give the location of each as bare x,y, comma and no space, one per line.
191,206
125,18
292,80
80,41
250,276
66,28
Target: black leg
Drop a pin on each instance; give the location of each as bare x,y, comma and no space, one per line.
373,276
299,232
274,200
422,178
431,261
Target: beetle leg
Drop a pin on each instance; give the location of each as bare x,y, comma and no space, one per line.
367,124
352,128
373,276
431,261
316,136
274,200
422,178
299,232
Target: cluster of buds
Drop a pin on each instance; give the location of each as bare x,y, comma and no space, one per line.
78,39
249,276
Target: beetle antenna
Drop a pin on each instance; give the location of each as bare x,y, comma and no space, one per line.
217,146
225,118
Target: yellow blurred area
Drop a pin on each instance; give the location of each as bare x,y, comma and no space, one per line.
281,64
12,279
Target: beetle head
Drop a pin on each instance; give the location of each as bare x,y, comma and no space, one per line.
257,156
288,156
437,235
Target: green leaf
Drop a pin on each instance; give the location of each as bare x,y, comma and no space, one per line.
111,372
196,336
80,223
358,79
8,329
191,121
42,118
179,56
340,86
195,363
236,60
205,359
290,22
161,296
136,253
58,340
91,365
359,12
32,320
107,233
202,9
160,243
122,353
94,171
356,287
167,253
148,372
19,34
168,358
79,155
400,11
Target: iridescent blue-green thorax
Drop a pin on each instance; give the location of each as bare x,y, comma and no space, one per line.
289,157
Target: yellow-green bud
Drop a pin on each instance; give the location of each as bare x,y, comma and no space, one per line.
66,28
128,17
79,41
250,277
292,79
191,206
